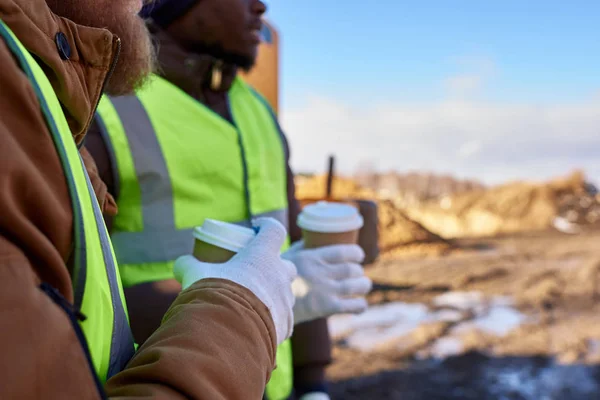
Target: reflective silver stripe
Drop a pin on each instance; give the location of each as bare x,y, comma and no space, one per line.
169,244
156,191
160,241
149,162
152,246
121,346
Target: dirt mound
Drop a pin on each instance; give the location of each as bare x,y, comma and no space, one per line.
565,204
514,207
399,234
414,187
310,187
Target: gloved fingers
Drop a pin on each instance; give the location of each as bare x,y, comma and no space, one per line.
354,287
297,246
341,253
291,270
290,329
183,265
290,302
352,306
345,271
269,239
286,327
293,250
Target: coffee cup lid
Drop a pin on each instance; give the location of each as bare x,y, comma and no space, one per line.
224,235
328,217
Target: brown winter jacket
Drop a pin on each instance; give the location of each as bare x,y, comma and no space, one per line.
192,73
217,340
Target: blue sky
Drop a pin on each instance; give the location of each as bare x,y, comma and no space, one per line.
544,49
387,53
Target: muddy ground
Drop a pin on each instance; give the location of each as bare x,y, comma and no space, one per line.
515,317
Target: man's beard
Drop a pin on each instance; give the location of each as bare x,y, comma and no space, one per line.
136,59
244,62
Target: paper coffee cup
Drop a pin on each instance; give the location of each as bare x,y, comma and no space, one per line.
217,241
325,224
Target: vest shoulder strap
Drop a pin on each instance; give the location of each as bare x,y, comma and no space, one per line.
268,106
93,255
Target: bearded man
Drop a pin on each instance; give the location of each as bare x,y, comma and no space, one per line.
65,332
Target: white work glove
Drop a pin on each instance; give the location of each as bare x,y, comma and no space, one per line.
330,281
315,396
259,268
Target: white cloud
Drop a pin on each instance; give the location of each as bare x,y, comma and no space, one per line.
459,134
475,71
489,141
464,84
469,149
482,64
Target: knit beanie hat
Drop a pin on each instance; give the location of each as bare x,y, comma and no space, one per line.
164,12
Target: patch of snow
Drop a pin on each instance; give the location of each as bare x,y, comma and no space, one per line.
502,301
409,319
446,347
370,339
366,340
446,316
499,321
461,300
563,225
386,315
391,323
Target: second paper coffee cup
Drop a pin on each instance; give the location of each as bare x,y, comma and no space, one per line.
217,241
325,223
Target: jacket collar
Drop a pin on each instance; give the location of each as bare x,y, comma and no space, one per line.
78,81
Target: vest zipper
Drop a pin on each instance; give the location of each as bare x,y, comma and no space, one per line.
74,317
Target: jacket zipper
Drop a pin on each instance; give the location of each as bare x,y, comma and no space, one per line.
111,71
75,316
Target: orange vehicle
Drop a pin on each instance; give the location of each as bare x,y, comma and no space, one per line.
264,77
